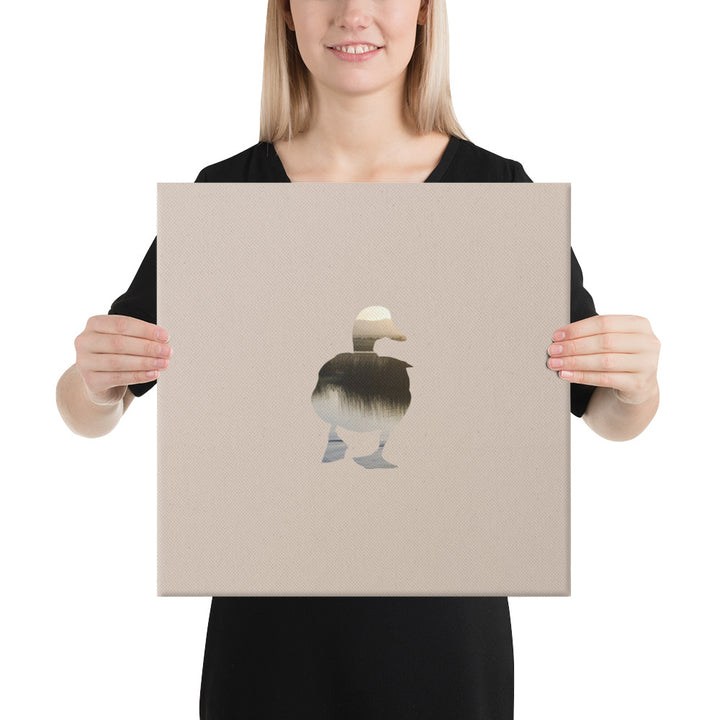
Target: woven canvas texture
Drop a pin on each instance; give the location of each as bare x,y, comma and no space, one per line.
260,286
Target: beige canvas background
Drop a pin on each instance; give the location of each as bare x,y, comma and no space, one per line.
259,285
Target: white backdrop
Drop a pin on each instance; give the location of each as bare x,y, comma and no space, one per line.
104,100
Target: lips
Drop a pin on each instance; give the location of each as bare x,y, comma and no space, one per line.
354,57
354,42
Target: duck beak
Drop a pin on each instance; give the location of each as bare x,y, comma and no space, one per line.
394,333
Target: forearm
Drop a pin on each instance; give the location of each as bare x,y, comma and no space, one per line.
80,413
616,420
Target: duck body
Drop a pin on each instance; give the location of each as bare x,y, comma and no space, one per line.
362,391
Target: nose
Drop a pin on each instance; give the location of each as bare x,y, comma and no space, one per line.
353,14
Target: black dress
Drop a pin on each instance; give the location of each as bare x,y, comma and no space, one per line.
370,658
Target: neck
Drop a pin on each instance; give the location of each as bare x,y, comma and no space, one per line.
354,133
363,344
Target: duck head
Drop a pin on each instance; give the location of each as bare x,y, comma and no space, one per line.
371,324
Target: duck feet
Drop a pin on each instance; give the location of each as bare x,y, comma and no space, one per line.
376,460
335,449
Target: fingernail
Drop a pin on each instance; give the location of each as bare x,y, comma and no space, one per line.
161,334
559,335
565,374
555,349
555,363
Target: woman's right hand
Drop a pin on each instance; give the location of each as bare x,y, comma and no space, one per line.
114,351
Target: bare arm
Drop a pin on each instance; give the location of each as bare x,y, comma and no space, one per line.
617,420
80,413
113,352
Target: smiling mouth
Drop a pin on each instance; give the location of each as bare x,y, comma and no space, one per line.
356,49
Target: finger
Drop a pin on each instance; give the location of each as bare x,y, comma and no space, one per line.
625,382
99,382
110,343
612,362
106,362
599,324
126,325
605,343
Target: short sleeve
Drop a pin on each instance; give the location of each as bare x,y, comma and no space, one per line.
581,306
140,299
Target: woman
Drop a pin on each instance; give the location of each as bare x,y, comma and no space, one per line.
379,112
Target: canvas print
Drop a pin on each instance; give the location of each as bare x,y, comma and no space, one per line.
359,402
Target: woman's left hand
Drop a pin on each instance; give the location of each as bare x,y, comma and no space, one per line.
617,351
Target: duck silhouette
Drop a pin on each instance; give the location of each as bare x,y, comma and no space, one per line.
362,391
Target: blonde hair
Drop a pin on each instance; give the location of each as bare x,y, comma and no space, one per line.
285,100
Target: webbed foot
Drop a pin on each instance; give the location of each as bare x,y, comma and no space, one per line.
376,460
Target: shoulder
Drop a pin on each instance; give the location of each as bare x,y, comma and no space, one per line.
473,163
250,165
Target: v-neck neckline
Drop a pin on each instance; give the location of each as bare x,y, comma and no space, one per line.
438,171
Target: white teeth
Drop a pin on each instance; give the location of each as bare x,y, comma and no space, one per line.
356,49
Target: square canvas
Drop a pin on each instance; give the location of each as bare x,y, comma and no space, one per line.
358,401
